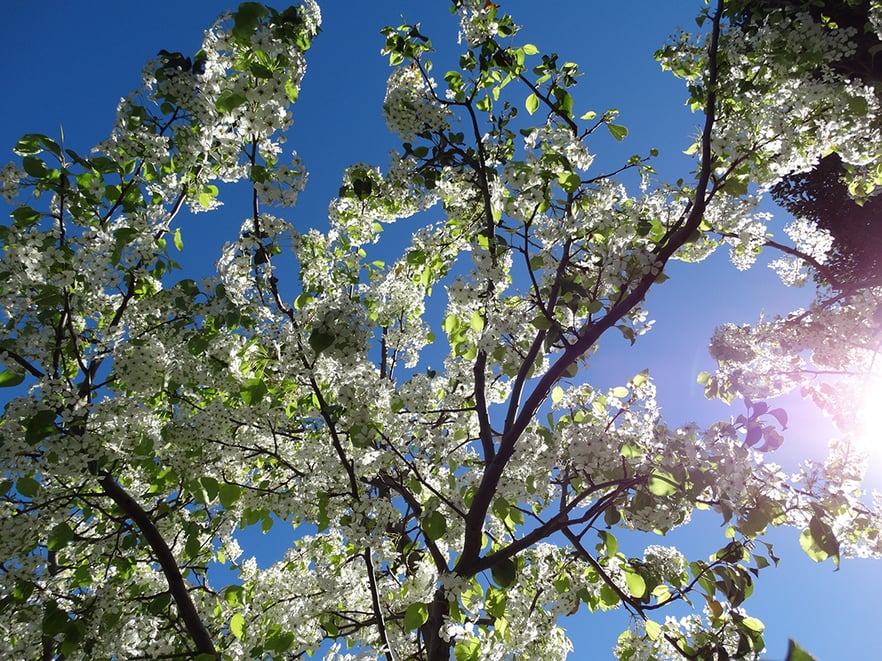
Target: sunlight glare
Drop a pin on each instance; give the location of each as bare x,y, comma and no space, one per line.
869,417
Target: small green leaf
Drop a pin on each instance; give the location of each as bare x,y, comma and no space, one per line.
229,101
495,602
619,392
530,49
208,487
416,616
467,649
179,242
653,629
609,541
636,584
477,321
569,181
661,484
59,537
320,341
504,572
34,166
754,624
159,603
556,394
434,525
416,257
237,625
28,144
541,322
27,486
617,131
40,426
532,103
25,216
255,390
796,653
229,494
234,595
9,379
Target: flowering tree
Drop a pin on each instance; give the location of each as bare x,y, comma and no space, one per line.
461,511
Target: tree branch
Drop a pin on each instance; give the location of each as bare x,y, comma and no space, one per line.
177,586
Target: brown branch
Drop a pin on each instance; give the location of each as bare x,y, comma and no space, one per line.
474,523
177,586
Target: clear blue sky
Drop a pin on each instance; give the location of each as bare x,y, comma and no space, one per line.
70,62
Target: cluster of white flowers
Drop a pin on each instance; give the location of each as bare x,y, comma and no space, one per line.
410,106
10,181
477,22
285,185
813,241
794,108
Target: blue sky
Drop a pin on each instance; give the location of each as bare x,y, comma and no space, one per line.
69,63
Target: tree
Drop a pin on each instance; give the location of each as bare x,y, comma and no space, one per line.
822,197
822,194
462,510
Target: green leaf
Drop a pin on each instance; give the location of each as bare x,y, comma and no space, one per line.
754,624
617,131
229,101
541,322
477,321
40,426
532,103
661,484
530,49
416,616
234,595
569,181
608,596
556,394
320,341
434,525
34,166
229,494
55,620
416,257
495,602
25,216
246,19
59,537
504,572
653,629
634,581
208,487
28,144
27,486
796,653
237,625
564,100
159,603
609,541
255,390
179,242
9,379
122,237
291,91
467,649
451,324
